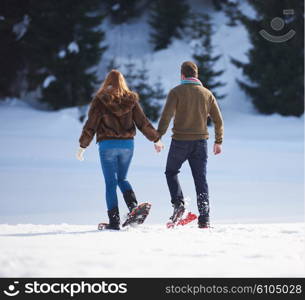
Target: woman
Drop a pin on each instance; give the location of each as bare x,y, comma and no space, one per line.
113,116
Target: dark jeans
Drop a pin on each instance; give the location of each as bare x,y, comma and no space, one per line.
115,161
196,153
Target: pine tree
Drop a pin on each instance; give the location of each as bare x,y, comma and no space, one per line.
230,8
113,65
150,95
218,4
145,92
130,74
13,25
121,11
202,31
63,49
167,19
275,71
232,11
157,97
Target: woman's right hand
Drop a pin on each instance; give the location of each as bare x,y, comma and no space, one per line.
80,154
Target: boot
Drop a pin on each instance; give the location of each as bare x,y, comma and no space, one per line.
114,219
130,199
203,222
178,211
204,210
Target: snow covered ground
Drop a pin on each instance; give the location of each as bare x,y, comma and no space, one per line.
256,187
258,179
273,250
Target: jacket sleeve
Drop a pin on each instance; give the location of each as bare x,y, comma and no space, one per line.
143,123
90,127
216,117
167,113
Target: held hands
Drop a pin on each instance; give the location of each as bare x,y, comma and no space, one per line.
217,149
80,154
158,146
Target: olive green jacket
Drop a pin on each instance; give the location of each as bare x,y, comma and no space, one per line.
190,105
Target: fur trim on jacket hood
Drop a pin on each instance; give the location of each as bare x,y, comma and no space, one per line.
121,106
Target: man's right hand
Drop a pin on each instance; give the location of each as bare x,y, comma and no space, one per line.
217,149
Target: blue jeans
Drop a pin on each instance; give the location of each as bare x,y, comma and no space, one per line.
115,158
196,153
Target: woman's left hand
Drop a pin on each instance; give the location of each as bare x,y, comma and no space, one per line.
80,154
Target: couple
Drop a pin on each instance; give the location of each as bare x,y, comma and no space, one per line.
114,114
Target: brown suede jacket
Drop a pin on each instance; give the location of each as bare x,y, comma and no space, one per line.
110,118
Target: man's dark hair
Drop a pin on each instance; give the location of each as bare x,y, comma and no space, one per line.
189,69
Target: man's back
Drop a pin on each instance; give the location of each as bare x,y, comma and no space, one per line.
191,104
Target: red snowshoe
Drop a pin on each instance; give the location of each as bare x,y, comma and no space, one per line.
138,214
180,217
190,217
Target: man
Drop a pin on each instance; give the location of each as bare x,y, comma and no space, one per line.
190,103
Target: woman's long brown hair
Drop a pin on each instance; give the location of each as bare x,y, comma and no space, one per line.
114,85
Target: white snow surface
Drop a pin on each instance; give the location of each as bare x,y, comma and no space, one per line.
250,250
258,178
116,7
48,81
256,185
257,181
73,47
21,28
62,54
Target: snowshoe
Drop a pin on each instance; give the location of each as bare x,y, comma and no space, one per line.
177,214
182,220
138,214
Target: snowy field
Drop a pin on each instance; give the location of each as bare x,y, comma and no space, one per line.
258,177
256,190
273,250
256,186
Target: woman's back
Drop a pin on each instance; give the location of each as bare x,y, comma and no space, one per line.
115,113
